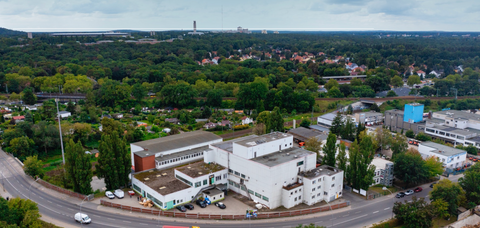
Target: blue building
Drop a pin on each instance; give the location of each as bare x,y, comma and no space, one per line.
413,113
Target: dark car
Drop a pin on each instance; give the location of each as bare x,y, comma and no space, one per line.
434,183
419,189
201,203
220,205
181,208
400,195
188,206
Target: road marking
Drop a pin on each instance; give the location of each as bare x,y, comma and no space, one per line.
350,220
70,209
49,201
34,194
41,197
111,219
59,205
375,212
332,219
386,208
345,216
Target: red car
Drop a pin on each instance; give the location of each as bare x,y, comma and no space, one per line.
419,189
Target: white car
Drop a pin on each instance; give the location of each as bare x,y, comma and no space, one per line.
409,192
82,218
109,194
119,193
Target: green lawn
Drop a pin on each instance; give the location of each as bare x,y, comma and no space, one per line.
378,188
440,222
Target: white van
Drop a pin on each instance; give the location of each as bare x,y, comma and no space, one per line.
82,218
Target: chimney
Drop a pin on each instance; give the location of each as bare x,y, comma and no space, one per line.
194,26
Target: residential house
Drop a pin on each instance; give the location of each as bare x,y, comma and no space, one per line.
172,120
117,116
210,125
64,114
246,120
421,73
224,123
436,73
18,119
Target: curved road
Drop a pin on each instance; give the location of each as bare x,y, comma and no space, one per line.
17,184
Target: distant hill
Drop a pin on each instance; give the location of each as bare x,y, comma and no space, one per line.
8,32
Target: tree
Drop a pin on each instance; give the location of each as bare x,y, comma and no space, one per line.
214,98
330,84
433,166
259,129
313,144
342,157
337,124
178,95
399,145
417,213
33,167
114,161
46,136
360,172
423,137
469,183
311,225
334,92
348,130
409,134
22,146
413,80
28,96
330,150
471,150
274,121
139,92
450,192
305,123
361,127
396,81
410,168
383,138
71,107
350,110
391,93
78,167
440,208
23,213
375,107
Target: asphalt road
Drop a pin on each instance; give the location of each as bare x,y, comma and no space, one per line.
17,184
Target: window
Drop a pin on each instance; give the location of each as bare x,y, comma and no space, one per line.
217,178
313,182
319,194
230,182
299,190
230,171
295,191
313,189
250,191
290,144
333,185
333,178
137,188
236,185
254,154
295,198
225,176
258,195
300,163
184,180
243,188
243,175
313,197
319,187
237,173
319,180
205,182
198,184
325,193
285,145
265,198
300,197
291,193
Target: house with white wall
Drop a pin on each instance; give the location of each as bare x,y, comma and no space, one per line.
449,156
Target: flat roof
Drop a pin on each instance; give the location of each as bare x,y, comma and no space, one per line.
459,114
380,162
319,128
173,142
453,130
199,169
475,139
329,116
415,104
395,111
282,156
249,142
162,181
183,153
213,192
228,145
304,133
370,114
442,149
320,171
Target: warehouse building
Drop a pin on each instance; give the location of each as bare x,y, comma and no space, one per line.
449,156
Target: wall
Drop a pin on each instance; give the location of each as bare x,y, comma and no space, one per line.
62,190
474,219
225,217
263,148
144,163
324,121
414,113
184,196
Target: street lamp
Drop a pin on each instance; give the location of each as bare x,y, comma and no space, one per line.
29,192
393,198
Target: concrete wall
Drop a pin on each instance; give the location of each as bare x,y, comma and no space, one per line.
263,148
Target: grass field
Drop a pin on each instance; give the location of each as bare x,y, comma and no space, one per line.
380,190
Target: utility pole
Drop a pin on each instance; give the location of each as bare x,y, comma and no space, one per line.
60,130
456,91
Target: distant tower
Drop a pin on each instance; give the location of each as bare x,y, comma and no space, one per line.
30,36
194,26
152,33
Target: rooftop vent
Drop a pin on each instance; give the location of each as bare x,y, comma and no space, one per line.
163,187
200,173
164,174
159,175
295,156
146,179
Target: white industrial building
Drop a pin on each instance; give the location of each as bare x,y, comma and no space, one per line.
269,170
449,156
383,171
456,127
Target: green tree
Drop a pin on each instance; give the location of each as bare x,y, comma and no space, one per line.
311,225
26,213
450,192
415,214
360,172
423,137
375,107
342,157
33,167
433,166
313,144
410,134
330,150
350,110
348,130
71,107
331,83
396,81
398,145
469,183
28,96
22,146
361,127
413,80
78,167
334,92
471,150
305,123
391,93
440,208
410,168
337,124
383,138
250,94
139,92
113,161
214,98
274,121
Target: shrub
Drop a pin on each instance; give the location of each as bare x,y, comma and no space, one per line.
241,127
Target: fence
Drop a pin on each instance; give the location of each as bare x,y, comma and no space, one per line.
376,195
224,217
64,191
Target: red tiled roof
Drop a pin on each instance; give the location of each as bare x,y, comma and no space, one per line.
18,117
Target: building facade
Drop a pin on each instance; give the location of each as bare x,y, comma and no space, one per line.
383,172
449,156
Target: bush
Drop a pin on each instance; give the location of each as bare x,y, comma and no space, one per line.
423,137
305,123
410,134
241,127
33,166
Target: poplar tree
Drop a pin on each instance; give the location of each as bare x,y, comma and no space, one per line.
342,157
78,167
113,160
360,172
275,121
329,149
337,124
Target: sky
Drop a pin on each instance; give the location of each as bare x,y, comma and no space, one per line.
301,15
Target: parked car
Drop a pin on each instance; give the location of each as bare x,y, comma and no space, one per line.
434,183
181,208
201,203
409,192
400,195
419,189
82,218
220,205
119,193
109,194
188,206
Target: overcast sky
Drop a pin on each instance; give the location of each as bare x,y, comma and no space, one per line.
330,15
